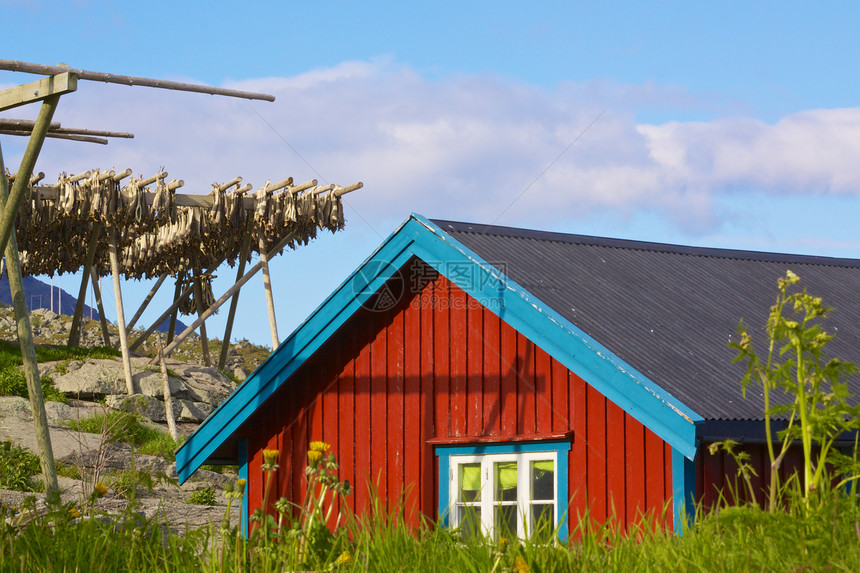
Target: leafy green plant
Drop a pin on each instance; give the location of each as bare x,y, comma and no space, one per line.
202,496
17,466
819,411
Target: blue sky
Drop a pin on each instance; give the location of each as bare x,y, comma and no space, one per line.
717,124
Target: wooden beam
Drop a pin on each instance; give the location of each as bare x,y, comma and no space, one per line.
228,330
230,292
270,301
75,331
59,135
40,90
102,318
198,302
120,313
171,329
15,66
7,123
147,300
28,353
176,302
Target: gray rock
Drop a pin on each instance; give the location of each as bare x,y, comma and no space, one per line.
15,406
151,384
147,406
95,379
193,411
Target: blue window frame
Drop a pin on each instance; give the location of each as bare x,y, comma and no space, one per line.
504,488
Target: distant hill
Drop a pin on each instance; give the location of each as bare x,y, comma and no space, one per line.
39,296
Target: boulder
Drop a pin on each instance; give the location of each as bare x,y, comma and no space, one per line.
153,409
147,406
95,379
193,411
15,406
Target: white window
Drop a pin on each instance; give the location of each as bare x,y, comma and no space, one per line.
504,495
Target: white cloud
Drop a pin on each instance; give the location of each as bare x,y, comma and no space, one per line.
464,147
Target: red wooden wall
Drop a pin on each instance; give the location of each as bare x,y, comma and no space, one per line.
438,367
717,474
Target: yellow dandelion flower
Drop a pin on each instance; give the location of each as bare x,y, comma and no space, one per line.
319,447
74,513
100,489
270,456
344,558
240,484
520,565
314,456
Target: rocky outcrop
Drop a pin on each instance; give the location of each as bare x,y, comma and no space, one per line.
196,390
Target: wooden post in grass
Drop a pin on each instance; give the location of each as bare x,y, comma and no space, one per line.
28,350
120,313
168,399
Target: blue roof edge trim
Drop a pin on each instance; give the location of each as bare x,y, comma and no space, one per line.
292,353
632,391
667,417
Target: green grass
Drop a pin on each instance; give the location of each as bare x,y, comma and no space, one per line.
17,467
727,540
12,380
128,427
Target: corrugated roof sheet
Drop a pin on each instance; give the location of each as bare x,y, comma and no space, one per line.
670,311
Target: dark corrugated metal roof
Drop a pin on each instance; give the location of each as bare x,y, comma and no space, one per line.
670,311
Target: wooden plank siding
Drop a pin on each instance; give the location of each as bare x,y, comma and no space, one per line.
717,474
440,368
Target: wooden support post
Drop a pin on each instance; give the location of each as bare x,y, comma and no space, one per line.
120,314
22,179
198,299
228,330
177,300
101,308
28,352
146,301
75,334
168,399
172,328
217,304
267,286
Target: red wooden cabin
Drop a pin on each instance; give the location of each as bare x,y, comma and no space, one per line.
485,375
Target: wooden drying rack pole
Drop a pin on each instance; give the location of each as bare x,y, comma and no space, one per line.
47,91
16,66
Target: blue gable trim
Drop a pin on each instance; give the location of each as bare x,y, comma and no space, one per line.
671,420
683,491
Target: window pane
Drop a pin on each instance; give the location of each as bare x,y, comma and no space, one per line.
542,482
470,482
506,520
542,520
469,518
505,475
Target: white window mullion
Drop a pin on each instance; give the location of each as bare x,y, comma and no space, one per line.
489,499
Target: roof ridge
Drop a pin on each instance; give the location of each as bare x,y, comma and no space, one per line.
633,244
